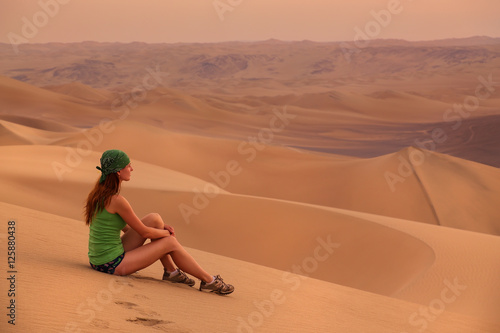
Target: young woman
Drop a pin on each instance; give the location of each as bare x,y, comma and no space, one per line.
107,213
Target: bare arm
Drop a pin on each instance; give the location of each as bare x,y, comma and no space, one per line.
122,207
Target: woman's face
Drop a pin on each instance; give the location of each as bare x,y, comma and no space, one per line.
124,174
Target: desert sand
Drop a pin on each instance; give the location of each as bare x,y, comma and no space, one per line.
335,195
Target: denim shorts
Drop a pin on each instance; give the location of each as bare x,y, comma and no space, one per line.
110,266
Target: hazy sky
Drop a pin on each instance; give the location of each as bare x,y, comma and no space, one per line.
244,20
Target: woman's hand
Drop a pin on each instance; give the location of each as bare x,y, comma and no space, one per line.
170,229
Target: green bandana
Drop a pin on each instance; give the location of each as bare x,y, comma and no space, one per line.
112,161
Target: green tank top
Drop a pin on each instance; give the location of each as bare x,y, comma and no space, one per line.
104,237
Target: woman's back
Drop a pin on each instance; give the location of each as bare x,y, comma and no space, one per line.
104,237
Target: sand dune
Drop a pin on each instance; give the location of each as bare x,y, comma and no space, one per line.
10,138
69,176
344,120
39,123
412,184
335,195
452,248
82,91
141,302
32,135
20,99
456,203
395,263
287,234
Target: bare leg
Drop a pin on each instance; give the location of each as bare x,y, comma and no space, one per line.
168,250
167,262
146,255
132,240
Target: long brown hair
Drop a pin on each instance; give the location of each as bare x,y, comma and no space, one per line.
101,195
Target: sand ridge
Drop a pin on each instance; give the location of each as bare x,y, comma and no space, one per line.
122,303
335,197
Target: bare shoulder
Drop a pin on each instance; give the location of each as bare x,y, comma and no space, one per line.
118,203
118,198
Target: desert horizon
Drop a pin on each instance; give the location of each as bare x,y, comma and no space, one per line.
339,186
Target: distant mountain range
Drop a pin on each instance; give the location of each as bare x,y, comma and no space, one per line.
115,65
357,99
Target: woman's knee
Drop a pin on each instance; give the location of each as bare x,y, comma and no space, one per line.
153,220
171,243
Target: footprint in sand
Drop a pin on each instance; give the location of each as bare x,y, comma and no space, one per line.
133,306
127,305
149,322
146,312
100,323
145,279
138,296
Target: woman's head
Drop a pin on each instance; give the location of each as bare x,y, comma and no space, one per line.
114,161
115,167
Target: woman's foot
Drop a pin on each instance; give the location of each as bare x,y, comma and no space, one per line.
217,286
178,276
